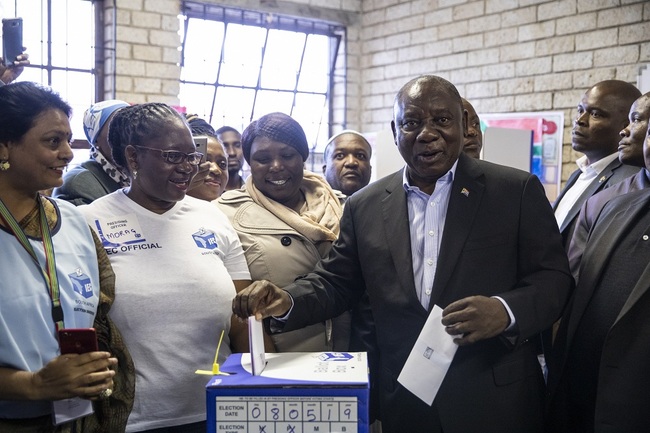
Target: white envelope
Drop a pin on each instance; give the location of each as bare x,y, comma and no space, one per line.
427,365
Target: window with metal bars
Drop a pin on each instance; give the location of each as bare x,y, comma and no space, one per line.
60,36
237,65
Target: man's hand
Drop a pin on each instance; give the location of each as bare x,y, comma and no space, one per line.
475,318
261,299
10,73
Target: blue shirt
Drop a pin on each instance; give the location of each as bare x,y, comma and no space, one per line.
427,216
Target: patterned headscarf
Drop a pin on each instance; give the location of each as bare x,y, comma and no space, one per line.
96,116
94,119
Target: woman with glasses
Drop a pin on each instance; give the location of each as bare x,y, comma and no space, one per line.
177,262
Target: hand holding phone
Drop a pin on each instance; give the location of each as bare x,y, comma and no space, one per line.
12,40
78,340
201,142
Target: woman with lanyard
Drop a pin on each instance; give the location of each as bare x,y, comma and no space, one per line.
50,271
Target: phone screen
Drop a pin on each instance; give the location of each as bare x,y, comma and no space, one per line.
12,39
78,340
201,142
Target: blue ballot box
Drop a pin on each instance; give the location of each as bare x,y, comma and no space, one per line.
296,393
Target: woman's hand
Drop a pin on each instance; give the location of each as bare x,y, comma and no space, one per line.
73,375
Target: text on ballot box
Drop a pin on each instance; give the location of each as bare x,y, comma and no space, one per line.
296,393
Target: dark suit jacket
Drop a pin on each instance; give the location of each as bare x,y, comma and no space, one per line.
611,175
623,395
85,183
591,209
500,238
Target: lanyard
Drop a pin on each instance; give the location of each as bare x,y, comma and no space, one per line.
49,274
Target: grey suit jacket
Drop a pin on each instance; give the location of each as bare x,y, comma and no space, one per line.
500,238
624,379
611,175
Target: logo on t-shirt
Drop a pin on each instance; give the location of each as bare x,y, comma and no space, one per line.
81,283
205,239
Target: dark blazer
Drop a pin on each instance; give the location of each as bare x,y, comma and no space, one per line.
85,183
500,238
611,175
591,209
623,399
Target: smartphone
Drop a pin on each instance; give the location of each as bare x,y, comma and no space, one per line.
201,142
78,340
12,39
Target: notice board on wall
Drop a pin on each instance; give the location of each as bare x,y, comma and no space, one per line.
546,153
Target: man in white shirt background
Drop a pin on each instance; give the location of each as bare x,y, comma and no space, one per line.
602,114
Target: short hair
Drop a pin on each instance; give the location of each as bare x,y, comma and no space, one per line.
438,81
21,103
226,129
329,146
136,124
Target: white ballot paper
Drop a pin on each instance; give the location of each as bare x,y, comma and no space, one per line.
256,345
70,409
429,360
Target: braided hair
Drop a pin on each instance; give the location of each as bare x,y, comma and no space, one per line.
136,124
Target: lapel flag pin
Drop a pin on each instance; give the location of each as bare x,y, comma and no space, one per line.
602,179
465,192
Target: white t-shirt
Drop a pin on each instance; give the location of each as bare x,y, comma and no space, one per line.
173,295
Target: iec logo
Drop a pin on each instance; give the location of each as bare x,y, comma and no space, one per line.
205,239
81,283
335,356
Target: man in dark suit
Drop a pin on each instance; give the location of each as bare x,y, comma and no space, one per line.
599,379
630,153
474,238
602,113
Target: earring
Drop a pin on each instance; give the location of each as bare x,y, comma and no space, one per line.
4,165
135,174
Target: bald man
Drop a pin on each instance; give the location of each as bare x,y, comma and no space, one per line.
347,161
602,114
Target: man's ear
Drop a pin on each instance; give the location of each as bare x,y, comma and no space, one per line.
465,123
324,168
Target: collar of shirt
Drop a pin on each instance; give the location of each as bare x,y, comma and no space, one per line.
598,166
446,178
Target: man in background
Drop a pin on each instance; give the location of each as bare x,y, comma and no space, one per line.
474,138
630,152
602,114
598,372
347,161
231,140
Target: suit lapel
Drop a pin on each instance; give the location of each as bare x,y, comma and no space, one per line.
595,185
609,229
396,225
643,283
569,183
464,198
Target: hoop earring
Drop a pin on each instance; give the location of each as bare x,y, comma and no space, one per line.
4,165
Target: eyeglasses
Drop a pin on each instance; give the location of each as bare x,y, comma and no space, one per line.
176,157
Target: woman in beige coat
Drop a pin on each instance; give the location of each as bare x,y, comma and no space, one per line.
287,219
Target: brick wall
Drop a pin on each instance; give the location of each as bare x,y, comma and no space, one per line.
503,55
